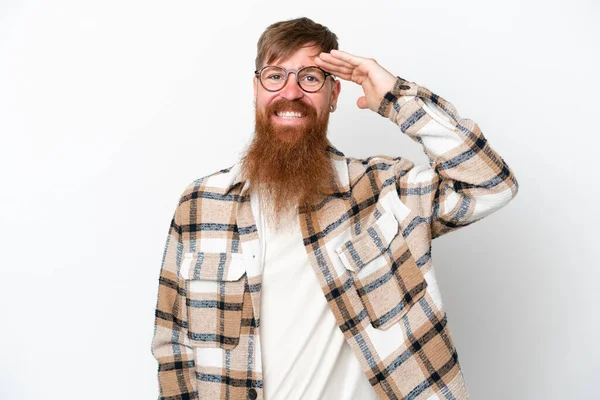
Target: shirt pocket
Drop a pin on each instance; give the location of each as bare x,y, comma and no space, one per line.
386,275
215,286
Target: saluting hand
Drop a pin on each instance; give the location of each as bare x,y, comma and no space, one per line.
375,80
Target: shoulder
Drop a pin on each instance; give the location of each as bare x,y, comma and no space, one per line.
216,183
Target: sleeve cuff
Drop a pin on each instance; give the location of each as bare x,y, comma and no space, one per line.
402,87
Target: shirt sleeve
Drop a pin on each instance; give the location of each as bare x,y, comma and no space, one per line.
466,180
170,346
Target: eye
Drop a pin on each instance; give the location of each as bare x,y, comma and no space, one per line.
274,77
311,78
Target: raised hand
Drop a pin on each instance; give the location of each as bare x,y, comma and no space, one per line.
375,80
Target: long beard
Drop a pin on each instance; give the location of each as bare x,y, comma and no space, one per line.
288,166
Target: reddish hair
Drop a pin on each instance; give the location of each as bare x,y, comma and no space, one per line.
282,39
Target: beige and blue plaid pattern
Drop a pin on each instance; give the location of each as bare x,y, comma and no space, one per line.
369,243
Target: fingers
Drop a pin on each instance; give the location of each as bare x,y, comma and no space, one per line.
346,77
341,72
334,61
348,58
332,67
342,64
362,102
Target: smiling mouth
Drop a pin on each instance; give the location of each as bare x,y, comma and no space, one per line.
289,114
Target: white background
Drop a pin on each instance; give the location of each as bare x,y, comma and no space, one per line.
109,109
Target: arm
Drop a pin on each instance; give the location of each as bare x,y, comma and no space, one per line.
170,347
466,179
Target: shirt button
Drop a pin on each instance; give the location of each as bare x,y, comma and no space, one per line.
252,395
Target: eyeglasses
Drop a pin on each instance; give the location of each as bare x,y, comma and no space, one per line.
310,79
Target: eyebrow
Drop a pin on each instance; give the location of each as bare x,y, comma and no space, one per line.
302,66
299,67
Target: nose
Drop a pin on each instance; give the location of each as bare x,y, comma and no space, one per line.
291,90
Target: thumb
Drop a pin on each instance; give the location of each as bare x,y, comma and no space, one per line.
362,102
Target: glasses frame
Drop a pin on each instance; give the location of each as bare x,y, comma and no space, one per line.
258,73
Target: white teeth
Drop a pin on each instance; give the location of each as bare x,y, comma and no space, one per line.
289,114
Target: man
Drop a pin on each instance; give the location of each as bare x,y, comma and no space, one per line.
301,273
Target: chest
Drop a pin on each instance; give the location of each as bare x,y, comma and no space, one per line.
357,248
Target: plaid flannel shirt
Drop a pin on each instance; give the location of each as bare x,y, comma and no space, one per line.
369,243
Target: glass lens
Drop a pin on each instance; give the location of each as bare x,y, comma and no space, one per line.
311,78
273,78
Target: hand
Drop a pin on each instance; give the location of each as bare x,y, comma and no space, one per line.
375,80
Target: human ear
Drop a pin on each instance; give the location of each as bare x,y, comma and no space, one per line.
335,92
255,84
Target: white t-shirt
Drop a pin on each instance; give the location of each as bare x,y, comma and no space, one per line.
304,354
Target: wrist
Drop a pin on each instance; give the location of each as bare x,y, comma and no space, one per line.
401,87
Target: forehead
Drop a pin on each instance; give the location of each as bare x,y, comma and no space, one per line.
301,58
